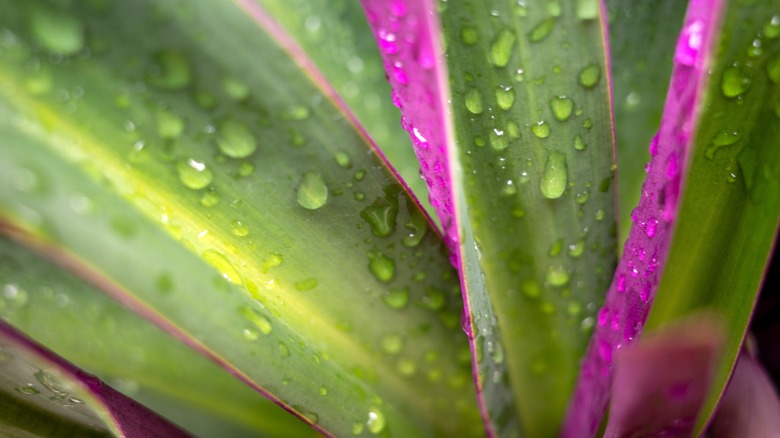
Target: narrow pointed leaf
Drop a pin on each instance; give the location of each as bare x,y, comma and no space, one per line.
63,400
723,229
519,165
228,200
92,331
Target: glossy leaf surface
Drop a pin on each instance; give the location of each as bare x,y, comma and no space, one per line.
520,165
224,197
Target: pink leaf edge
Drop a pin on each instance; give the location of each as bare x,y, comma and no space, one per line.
629,297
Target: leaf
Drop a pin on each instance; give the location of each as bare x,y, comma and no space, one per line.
83,325
520,175
58,399
642,38
337,38
170,175
722,231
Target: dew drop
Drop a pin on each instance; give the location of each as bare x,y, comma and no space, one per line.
343,160
561,107
541,30
579,144
392,344
376,421
223,265
734,82
295,112
234,88
498,140
474,101
235,139
502,48
582,197
554,178
312,191
773,68
381,216
541,129
194,174
27,389
587,9
284,351
173,71
250,334
57,31
406,367
210,198
590,75
771,28
258,319
577,249
382,267
169,125
397,298
307,284
469,35
239,228
557,276
505,97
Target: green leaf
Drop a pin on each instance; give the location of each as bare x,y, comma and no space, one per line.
642,38
167,164
337,38
83,325
527,174
730,204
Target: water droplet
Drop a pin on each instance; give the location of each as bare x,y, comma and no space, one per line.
307,284
561,107
541,129
557,276
577,249
502,48
312,191
296,112
250,334
773,68
382,267
164,284
587,123
556,247
236,139
173,71
357,428
210,198
587,9
57,31
376,421
505,97
194,174
284,351
234,88
469,35
582,197
417,228
541,30
397,298
381,215
258,319
554,178
771,29
474,101
579,144
392,344
734,82
343,160
169,125
27,389
223,265
590,75
497,140
239,228
323,391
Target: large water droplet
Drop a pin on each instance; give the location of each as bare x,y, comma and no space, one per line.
505,97
561,107
557,276
587,9
502,48
173,71
376,421
473,101
382,267
541,30
236,139
258,319
721,139
381,216
734,82
554,178
57,31
312,191
579,144
194,174
590,75
541,129
498,140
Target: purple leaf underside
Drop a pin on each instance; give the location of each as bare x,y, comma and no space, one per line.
629,297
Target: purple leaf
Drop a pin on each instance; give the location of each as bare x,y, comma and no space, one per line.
633,288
